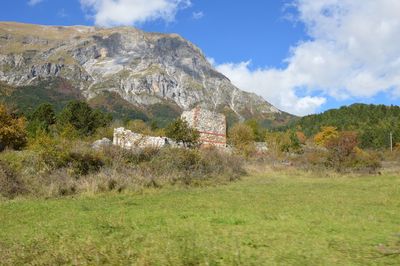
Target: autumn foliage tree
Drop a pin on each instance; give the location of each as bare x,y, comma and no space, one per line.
301,137
326,134
12,130
342,149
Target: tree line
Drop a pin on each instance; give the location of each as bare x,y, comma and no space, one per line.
373,123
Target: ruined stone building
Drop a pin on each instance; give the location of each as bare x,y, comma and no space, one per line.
128,140
210,125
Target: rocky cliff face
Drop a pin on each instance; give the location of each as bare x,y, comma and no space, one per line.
142,68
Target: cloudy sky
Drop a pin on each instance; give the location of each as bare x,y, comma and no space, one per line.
303,56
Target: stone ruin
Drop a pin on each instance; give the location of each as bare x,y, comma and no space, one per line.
129,140
210,125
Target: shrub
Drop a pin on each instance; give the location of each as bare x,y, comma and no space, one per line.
342,149
241,136
180,131
283,142
12,130
118,157
367,161
301,137
52,152
84,163
55,152
194,165
10,183
258,131
326,134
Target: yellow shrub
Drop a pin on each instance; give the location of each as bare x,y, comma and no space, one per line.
326,134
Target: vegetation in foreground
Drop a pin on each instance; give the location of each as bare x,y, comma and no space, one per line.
289,218
163,206
49,153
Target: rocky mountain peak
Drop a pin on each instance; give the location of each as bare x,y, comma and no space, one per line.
142,68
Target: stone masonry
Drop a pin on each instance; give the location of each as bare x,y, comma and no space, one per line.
210,125
130,140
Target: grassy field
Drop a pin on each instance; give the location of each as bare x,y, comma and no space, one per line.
264,219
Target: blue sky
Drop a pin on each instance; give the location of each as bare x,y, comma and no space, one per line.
304,56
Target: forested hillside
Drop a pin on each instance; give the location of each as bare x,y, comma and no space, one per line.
372,122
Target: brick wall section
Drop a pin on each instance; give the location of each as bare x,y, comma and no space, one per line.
210,125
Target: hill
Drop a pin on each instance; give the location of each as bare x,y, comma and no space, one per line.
145,73
373,123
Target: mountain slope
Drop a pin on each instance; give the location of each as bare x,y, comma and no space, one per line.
144,69
373,123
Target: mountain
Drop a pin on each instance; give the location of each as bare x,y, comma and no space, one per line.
123,70
373,123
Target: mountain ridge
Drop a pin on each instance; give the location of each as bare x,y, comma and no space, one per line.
140,67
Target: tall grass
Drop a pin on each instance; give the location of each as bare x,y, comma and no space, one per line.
53,167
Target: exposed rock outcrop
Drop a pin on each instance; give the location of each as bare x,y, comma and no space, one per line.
143,68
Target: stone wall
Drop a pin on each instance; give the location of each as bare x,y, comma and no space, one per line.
210,125
130,140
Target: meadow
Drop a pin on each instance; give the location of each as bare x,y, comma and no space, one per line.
286,217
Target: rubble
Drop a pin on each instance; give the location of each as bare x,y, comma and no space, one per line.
129,140
101,143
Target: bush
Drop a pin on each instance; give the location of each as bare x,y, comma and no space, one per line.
326,134
283,142
180,131
342,154
52,153
241,136
10,183
12,130
117,157
342,149
84,163
55,153
194,165
365,161
54,166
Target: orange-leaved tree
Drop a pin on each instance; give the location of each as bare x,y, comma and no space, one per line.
326,134
12,130
342,149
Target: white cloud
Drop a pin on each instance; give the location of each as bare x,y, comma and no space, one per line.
34,2
198,15
130,12
274,85
353,52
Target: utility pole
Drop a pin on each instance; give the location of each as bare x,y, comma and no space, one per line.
391,142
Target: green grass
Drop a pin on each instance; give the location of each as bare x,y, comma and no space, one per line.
273,218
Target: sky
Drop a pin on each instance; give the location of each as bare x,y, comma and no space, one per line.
303,56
